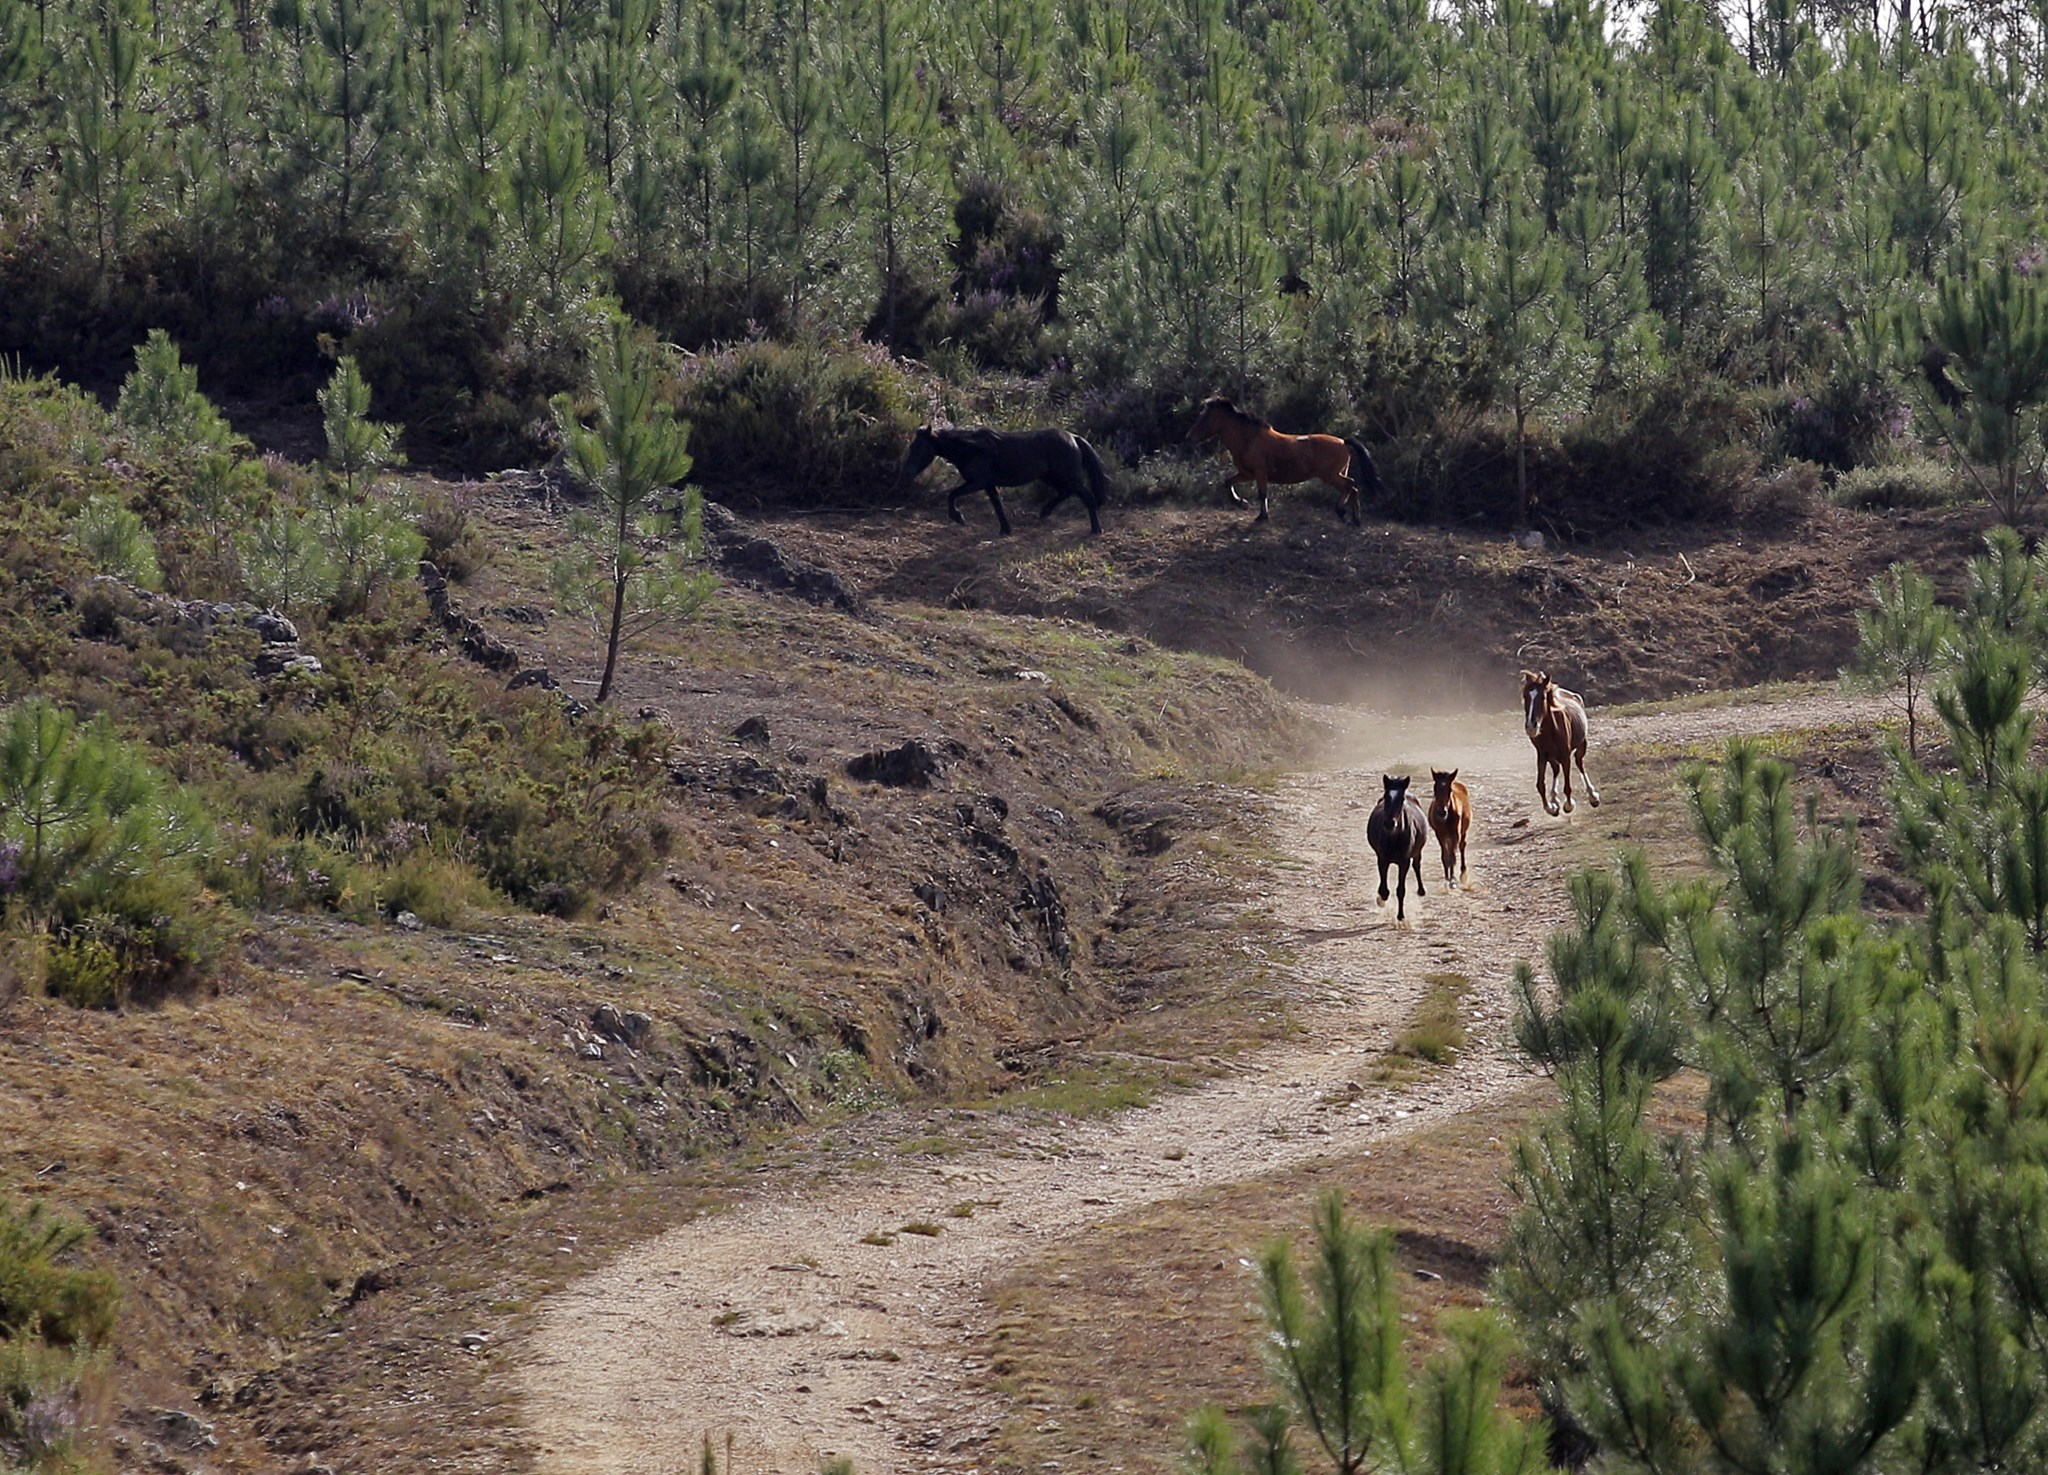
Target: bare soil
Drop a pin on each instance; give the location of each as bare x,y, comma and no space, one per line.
1394,615
861,1313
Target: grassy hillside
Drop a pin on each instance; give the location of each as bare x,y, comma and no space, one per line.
454,952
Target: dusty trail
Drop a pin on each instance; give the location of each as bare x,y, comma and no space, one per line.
775,1323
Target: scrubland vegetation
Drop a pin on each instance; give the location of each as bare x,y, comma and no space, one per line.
1596,266
1590,270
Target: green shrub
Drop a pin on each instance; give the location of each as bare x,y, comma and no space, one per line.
455,544
807,422
55,1321
1902,486
115,541
42,1300
1167,477
83,972
437,889
161,404
1847,423
97,848
371,544
286,561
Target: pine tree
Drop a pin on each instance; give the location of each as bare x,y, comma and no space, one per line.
1903,641
561,209
1334,1357
635,450
1993,330
357,446
1531,338
891,120
116,541
160,400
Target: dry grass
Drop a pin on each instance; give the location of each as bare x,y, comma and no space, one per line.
1110,1342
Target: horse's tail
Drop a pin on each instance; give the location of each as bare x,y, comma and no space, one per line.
1098,479
1364,474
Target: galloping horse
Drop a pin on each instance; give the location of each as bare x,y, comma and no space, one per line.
1397,832
1450,815
1266,456
1555,720
987,459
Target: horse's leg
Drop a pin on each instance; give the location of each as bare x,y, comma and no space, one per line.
1464,866
1542,784
953,501
1401,892
1383,881
1592,794
1059,492
1347,498
1230,485
1265,507
995,500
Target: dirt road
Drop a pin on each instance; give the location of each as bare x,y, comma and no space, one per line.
778,1325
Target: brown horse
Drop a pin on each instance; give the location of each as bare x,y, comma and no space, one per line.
1450,815
1555,720
1262,454
1397,833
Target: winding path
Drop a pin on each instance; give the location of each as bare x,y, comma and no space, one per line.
775,1323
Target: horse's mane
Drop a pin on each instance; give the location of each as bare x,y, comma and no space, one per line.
969,434
1246,417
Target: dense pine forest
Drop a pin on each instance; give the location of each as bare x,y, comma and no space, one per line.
1692,256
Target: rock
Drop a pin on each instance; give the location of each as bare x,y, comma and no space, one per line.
273,628
753,732
1042,895
534,676
932,894
910,765
286,660
524,614
1531,540
474,1341
486,649
592,1050
182,1429
759,561
408,920
626,1026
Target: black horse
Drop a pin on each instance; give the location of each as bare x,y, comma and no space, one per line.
1397,832
987,459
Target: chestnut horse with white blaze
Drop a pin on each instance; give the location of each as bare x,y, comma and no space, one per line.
1555,720
1264,455
1450,815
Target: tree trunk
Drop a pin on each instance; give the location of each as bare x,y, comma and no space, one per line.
1521,464
611,645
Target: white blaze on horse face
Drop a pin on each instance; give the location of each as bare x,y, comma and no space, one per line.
1532,710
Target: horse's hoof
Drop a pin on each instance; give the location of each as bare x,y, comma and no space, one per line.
1593,800
956,517
1261,517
